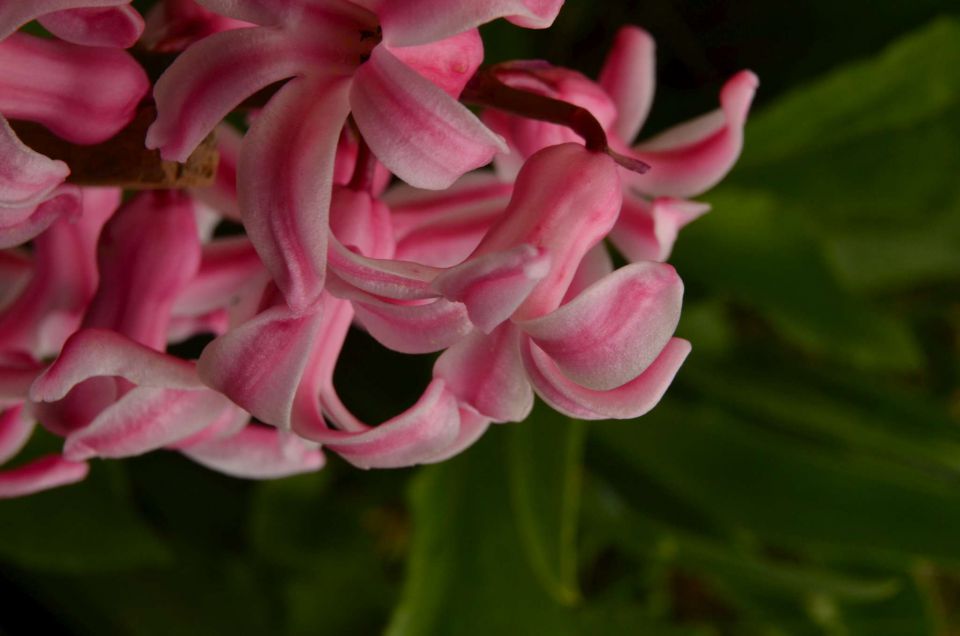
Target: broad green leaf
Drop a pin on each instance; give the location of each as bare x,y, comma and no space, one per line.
545,456
788,491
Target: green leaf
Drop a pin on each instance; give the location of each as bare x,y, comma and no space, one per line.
88,527
545,457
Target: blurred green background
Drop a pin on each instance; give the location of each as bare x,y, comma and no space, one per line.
801,477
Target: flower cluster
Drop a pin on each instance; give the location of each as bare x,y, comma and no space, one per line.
358,189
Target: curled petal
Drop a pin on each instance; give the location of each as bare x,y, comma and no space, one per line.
92,353
229,267
63,203
692,157
258,452
286,176
360,221
420,133
615,328
173,25
107,26
493,285
422,432
448,63
15,429
472,427
259,364
407,22
26,176
145,419
630,400
48,82
485,372
210,79
16,13
646,231
41,474
629,77
400,280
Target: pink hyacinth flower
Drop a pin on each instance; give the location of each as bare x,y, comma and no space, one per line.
684,161
396,65
111,23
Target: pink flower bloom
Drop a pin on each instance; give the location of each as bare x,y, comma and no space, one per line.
393,64
88,22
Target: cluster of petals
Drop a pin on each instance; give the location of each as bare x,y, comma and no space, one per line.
504,273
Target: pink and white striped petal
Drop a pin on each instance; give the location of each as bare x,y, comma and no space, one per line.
210,79
418,131
628,401
16,426
48,82
258,452
26,176
119,26
64,202
16,13
173,25
93,353
691,158
629,77
615,328
449,63
485,372
647,230
472,427
51,471
408,22
18,370
286,177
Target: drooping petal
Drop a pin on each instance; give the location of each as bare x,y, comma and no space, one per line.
48,82
472,427
448,63
16,13
210,79
26,176
631,400
415,436
566,199
420,133
647,230
15,429
615,329
107,26
485,372
63,203
92,353
145,419
408,22
258,452
692,157
493,285
629,77
143,272
400,280
286,176
41,474
259,364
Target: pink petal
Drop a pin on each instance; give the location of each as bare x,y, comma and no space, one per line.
425,430
173,25
407,22
361,222
26,176
259,364
267,12
145,419
566,199
258,452
493,285
485,372
18,370
210,79
92,353
448,63
692,157
62,203
286,173
48,82
646,231
143,273
400,280
615,329
229,268
596,264
64,279
44,473
472,427
15,272
629,77
631,400
15,429
109,26
420,133
16,13
182,328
